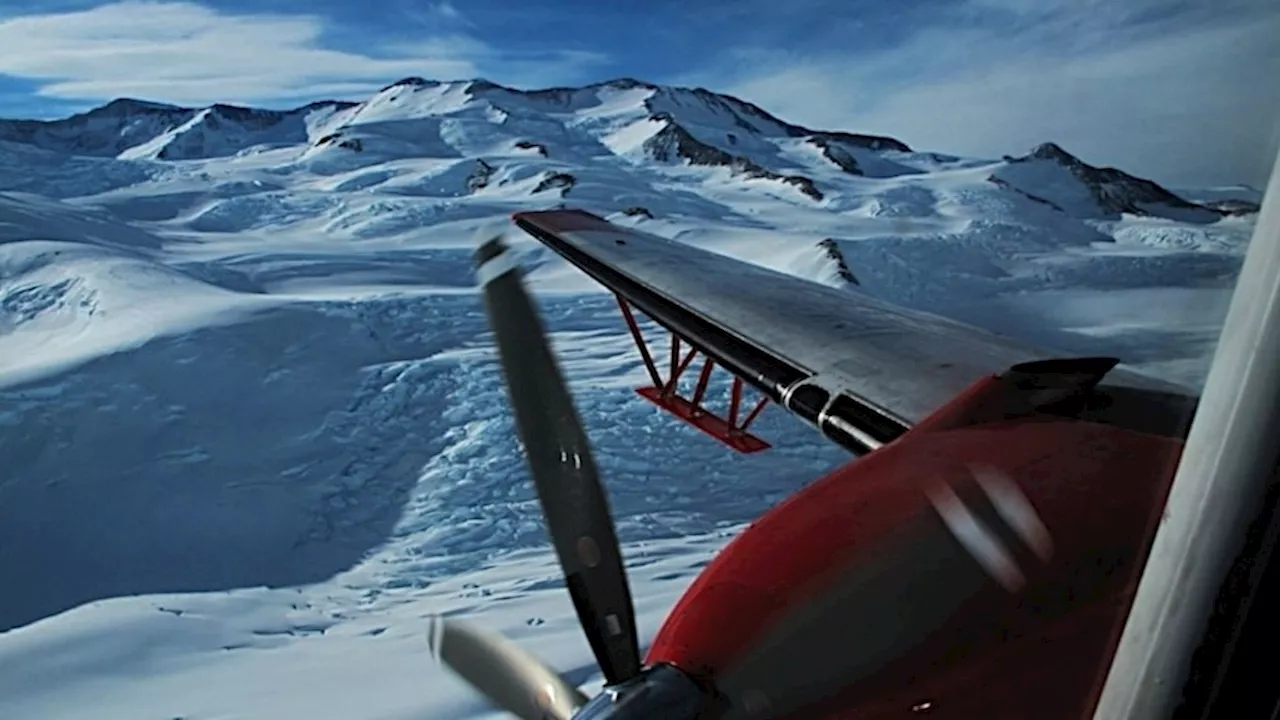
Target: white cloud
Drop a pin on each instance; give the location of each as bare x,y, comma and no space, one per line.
1119,84
185,52
446,9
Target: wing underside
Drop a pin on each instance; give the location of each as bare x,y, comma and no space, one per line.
864,371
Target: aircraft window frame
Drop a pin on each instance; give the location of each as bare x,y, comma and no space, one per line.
1213,551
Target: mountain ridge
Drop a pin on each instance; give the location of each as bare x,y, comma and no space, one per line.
606,146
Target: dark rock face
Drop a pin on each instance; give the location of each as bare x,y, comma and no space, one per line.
674,144
832,251
637,211
560,96
1053,151
481,85
870,142
249,118
479,178
837,154
337,138
626,83
530,145
804,184
563,181
411,82
1035,198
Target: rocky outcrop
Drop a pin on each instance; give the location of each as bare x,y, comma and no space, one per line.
673,144
530,145
870,142
637,211
837,154
804,184
558,180
1000,182
832,251
338,140
411,82
479,178
248,118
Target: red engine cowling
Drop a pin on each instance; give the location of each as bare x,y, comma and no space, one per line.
905,614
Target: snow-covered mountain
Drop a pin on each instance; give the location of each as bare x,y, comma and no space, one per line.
252,424
1066,183
483,127
423,152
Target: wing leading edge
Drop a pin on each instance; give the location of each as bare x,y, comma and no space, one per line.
864,371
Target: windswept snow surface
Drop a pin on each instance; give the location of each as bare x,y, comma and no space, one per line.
252,426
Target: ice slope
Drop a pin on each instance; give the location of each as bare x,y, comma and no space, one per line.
252,425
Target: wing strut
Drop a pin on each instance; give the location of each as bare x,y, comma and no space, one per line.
666,394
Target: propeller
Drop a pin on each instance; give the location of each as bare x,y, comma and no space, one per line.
509,676
573,502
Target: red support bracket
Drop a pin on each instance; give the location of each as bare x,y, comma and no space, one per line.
665,393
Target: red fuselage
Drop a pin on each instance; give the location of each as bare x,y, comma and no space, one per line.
1034,648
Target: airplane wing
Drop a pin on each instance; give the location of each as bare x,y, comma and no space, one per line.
862,370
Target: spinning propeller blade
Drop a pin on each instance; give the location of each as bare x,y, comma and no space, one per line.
513,679
564,472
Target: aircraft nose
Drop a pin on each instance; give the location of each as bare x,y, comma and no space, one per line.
662,691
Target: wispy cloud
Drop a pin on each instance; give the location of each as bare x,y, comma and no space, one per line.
446,9
1185,92
189,53
431,17
1179,90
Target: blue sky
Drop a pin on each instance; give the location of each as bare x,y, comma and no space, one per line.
1186,91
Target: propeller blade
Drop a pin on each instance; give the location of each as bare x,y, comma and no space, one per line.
511,678
878,609
564,473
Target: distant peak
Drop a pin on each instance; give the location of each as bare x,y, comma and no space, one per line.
627,83
336,104
233,110
412,81
1052,151
127,105
1114,191
482,85
242,114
